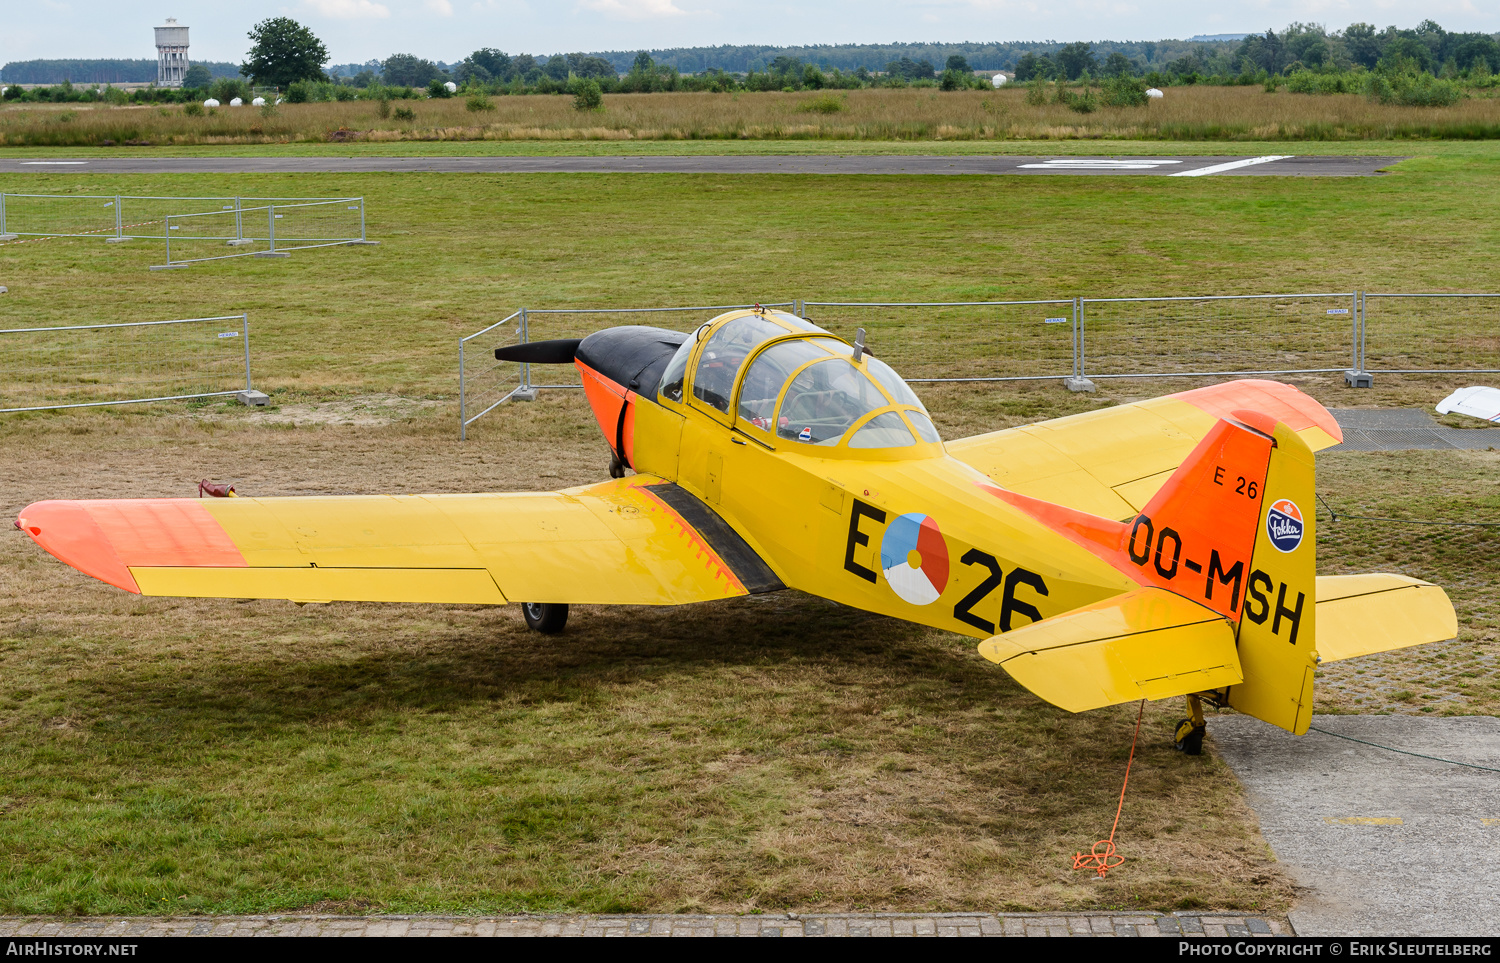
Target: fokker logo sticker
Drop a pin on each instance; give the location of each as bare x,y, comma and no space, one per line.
1284,525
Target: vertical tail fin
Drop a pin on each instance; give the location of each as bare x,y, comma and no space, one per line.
1238,516
1278,624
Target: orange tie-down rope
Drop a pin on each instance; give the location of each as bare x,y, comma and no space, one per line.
1107,859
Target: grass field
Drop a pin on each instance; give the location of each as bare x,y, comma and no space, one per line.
1199,114
175,756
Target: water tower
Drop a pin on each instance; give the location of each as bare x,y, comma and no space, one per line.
171,54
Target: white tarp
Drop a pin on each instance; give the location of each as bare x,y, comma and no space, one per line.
1477,402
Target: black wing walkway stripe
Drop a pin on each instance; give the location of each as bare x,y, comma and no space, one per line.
743,561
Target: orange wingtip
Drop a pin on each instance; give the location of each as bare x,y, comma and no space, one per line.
104,538
69,532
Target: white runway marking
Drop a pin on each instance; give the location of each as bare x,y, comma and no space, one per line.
52,163
1221,168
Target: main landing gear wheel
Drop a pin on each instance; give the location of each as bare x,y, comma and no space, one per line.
1190,737
547,618
616,466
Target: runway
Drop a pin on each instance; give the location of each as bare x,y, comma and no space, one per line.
1272,165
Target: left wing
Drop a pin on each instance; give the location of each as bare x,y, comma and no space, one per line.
639,540
1112,461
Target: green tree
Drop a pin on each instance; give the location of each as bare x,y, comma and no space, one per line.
197,77
484,65
587,95
284,51
959,63
1363,44
407,70
1076,59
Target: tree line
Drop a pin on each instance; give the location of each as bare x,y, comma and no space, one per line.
97,71
1427,48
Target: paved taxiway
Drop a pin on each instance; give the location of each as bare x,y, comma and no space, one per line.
1382,844
1242,166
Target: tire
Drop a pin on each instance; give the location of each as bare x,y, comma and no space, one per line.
1190,738
547,618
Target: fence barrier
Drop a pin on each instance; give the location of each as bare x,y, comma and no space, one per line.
483,382
269,231
1429,333
189,223
961,340
1075,340
1231,335
82,366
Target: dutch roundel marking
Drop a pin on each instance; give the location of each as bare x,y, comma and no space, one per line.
805,434
914,559
1284,525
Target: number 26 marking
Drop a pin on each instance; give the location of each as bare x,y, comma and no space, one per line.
1009,605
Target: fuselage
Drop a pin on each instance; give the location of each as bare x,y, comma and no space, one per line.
897,526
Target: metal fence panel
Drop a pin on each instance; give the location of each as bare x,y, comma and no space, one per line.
960,341
1221,335
1431,333
136,217
269,231
42,215
145,218
191,238
112,364
318,223
483,382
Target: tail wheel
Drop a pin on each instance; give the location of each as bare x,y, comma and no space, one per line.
1190,737
547,618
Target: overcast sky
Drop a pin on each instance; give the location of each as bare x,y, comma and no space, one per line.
359,30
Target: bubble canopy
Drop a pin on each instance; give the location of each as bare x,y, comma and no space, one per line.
787,383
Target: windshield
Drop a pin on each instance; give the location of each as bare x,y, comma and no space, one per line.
885,430
770,371
824,400
676,373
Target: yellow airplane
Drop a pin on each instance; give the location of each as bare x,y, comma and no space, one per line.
1158,549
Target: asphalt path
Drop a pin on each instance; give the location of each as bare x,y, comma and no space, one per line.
1381,843
1221,166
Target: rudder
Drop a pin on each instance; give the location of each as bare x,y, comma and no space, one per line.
1240,510
1278,625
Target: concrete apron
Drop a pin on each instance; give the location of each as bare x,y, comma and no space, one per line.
1381,844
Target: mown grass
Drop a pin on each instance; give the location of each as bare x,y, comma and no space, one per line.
459,252
169,756
1186,114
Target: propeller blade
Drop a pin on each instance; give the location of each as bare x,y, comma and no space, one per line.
541,352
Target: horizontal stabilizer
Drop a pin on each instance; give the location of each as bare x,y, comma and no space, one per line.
1364,614
1149,644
